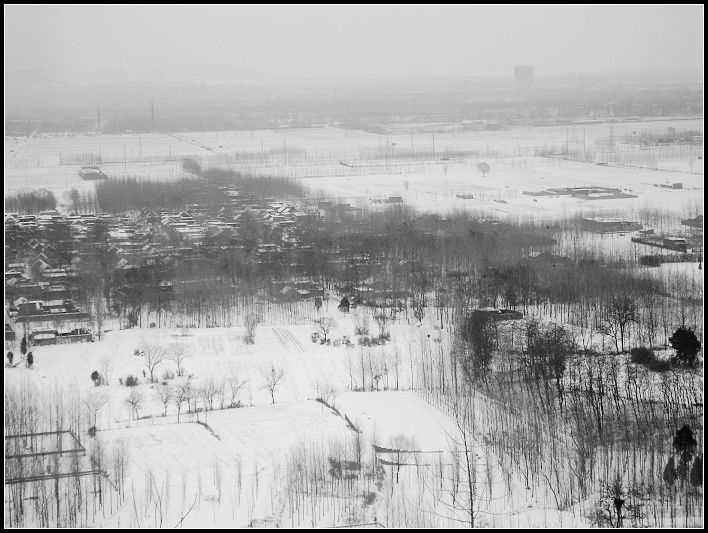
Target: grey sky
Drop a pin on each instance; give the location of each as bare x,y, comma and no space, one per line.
355,41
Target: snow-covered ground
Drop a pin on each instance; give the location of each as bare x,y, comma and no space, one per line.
228,465
427,170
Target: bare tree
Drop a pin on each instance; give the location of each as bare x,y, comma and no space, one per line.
235,384
483,168
621,311
251,323
208,391
403,447
164,394
466,497
396,364
135,400
177,354
99,308
94,402
361,322
326,392
325,325
74,195
154,354
180,394
106,367
272,377
382,320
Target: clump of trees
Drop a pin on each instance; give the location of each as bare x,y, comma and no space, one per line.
192,166
615,321
128,194
476,345
262,186
30,202
548,348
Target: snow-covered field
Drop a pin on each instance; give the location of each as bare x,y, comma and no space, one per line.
435,187
227,466
427,170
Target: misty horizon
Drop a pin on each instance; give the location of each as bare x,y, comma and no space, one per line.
295,44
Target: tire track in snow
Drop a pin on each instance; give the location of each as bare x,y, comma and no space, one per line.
288,339
281,338
294,340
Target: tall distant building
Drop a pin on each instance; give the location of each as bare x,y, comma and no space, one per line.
523,76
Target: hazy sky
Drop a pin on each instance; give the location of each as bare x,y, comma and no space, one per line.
355,41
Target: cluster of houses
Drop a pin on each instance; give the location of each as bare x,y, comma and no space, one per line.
31,222
40,289
41,277
46,255
297,290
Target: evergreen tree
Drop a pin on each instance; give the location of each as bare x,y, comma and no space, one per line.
686,344
670,472
685,443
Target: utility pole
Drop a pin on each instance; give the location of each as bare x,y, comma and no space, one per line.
99,119
152,114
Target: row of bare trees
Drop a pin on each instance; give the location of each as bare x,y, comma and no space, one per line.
49,482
